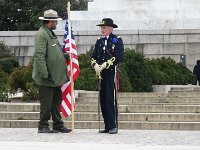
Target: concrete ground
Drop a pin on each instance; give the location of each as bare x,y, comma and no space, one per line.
89,139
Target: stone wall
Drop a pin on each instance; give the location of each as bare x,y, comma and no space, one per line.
138,14
153,43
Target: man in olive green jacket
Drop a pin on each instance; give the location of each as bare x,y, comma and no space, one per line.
49,72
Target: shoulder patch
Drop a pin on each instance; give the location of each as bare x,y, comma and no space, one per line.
118,36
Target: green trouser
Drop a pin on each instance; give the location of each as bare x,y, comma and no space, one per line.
50,101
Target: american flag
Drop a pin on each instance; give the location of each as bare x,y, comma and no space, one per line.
70,47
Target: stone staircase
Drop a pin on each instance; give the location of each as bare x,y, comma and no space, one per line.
177,110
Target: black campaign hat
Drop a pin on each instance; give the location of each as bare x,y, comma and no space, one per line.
107,22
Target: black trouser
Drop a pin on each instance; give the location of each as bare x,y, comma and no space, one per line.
107,99
50,101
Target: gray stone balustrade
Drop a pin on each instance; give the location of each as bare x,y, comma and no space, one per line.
153,43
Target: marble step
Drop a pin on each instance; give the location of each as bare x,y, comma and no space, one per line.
175,93
81,107
134,125
145,100
93,116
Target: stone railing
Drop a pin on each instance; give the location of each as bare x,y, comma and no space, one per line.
153,43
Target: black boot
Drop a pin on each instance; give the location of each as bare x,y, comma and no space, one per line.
44,130
113,131
62,130
104,131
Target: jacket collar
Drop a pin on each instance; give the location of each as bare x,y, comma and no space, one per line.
111,36
50,32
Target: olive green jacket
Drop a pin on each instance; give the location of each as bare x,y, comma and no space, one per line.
49,67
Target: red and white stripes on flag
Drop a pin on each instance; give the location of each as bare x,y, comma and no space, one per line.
69,47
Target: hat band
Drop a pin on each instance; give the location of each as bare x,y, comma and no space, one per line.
51,17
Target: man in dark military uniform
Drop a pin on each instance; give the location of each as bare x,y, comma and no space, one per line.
108,52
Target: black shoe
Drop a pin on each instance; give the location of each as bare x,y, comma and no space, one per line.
113,131
45,130
62,130
103,131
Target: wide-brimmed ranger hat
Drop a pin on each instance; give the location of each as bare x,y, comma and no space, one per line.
107,22
50,15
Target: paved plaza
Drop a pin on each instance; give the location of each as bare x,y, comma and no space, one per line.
84,139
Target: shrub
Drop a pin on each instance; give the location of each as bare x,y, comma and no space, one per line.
5,51
3,87
186,76
124,82
138,71
8,64
167,71
32,92
138,74
21,80
16,80
87,79
3,93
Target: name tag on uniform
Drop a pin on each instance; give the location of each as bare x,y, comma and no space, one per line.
54,45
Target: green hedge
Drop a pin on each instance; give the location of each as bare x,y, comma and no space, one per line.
5,51
138,74
138,71
21,80
7,63
3,86
87,78
167,71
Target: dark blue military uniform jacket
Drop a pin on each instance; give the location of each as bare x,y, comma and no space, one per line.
114,48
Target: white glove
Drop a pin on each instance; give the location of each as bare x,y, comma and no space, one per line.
97,69
110,62
107,64
103,66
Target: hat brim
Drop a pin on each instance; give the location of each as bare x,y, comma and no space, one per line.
110,25
54,19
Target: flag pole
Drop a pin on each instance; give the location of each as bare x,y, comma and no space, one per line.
71,73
